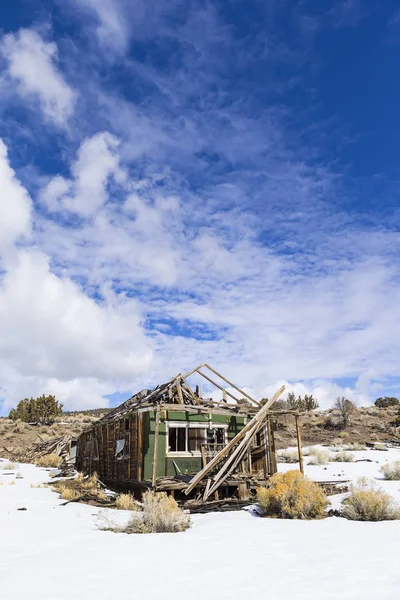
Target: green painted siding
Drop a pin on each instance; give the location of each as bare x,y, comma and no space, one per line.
186,465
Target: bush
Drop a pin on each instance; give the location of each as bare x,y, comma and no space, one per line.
343,434
291,496
126,502
42,410
49,460
319,456
356,447
288,456
343,457
369,503
386,402
8,466
161,514
68,493
391,471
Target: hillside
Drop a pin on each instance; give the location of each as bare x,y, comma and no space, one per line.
320,427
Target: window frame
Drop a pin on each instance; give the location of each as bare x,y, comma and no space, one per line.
190,425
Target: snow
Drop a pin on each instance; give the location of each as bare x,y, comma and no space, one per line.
54,552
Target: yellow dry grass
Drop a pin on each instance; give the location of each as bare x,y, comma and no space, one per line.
126,502
49,460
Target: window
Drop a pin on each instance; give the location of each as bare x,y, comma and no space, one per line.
177,439
197,438
190,437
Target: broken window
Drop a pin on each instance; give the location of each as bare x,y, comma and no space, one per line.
197,438
119,447
216,438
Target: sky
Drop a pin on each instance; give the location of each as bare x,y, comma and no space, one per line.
199,181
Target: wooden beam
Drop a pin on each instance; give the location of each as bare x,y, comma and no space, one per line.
218,386
232,385
195,398
250,425
299,448
180,396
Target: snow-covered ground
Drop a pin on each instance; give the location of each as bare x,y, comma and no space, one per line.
54,552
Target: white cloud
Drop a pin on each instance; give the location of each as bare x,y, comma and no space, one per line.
15,205
86,192
52,331
53,335
32,64
112,27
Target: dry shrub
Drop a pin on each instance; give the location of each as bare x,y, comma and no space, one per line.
161,514
379,445
36,485
288,456
356,447
319,456
391,471
8,466
369,503
126,502
292,496
67,493
344,457
49,460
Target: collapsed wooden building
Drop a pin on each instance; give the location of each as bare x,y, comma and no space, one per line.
174,439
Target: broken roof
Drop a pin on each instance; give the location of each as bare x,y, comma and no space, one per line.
178,391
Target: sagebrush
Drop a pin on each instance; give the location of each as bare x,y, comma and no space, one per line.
369,503
391,471
288,456
319,456
160,514
344,457
290,495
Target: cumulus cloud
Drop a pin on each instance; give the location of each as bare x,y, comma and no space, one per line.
53,334
32,64
15,205
86,192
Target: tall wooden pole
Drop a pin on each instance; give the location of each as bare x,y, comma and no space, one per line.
300,451
154,478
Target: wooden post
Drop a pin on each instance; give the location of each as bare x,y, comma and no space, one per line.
300,451
139,425
270,463
203,455
154,478
273,454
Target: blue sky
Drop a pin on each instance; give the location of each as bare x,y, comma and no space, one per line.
198,181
